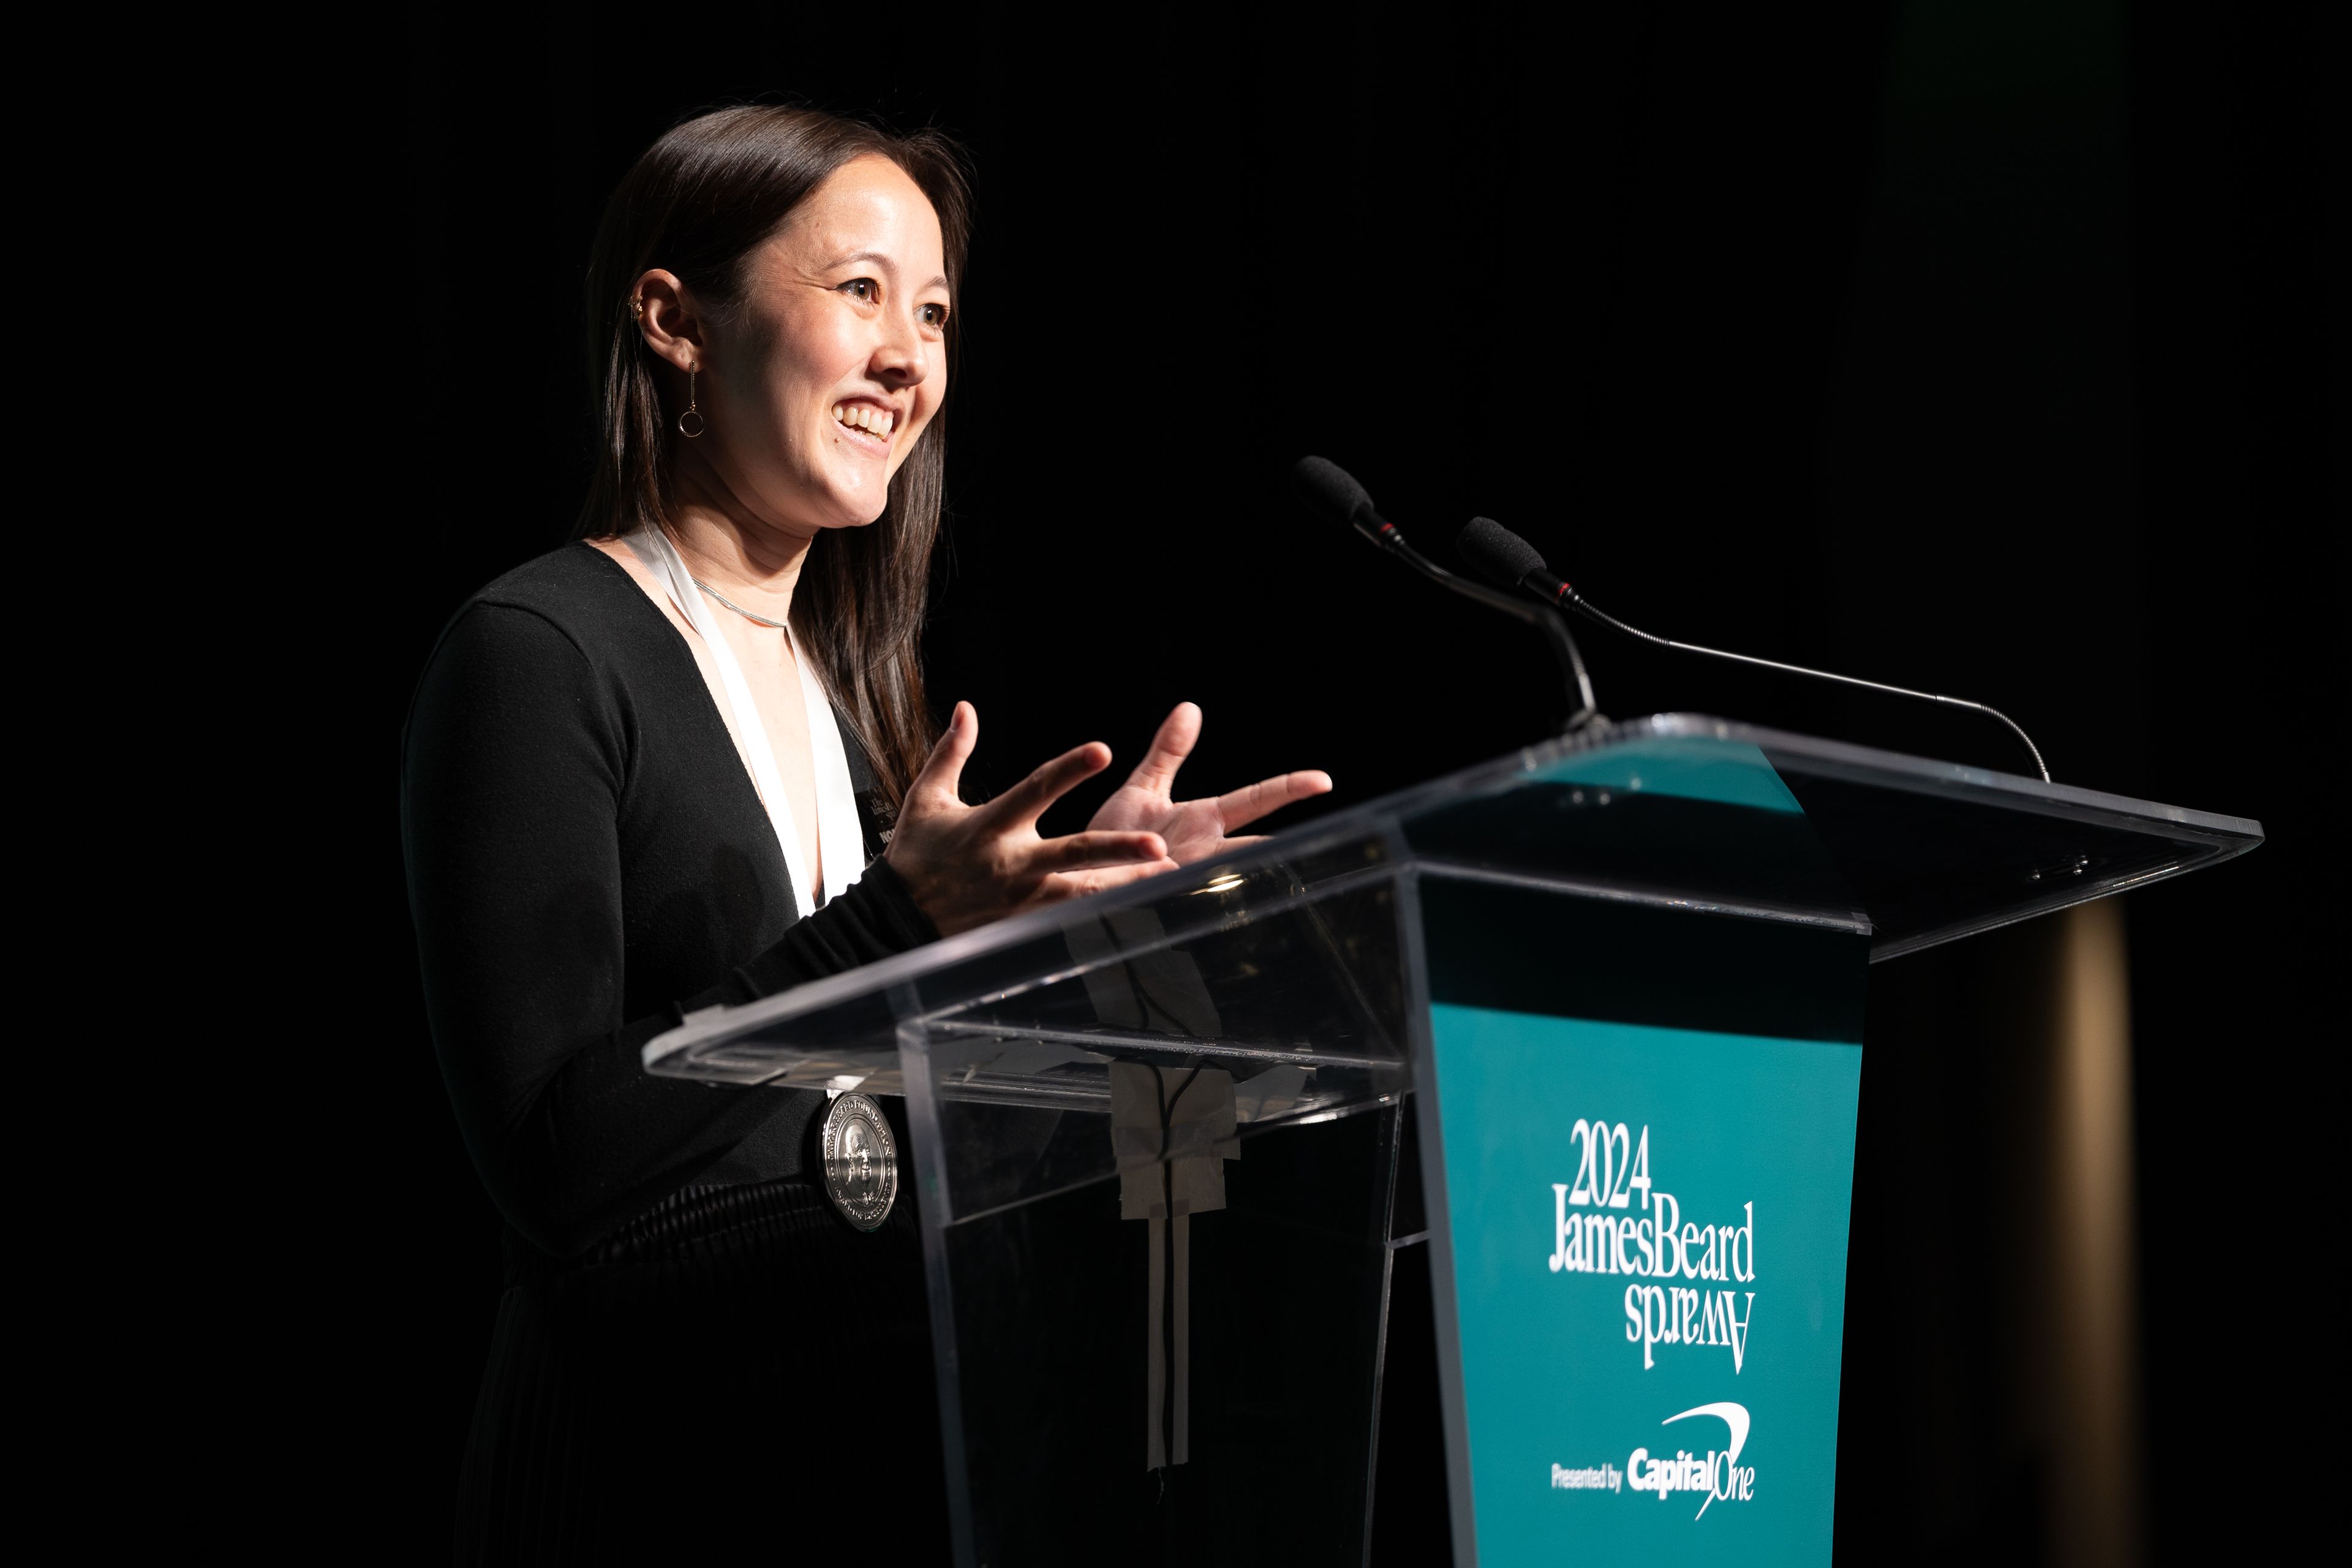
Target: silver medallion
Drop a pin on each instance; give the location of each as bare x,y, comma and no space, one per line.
860,1159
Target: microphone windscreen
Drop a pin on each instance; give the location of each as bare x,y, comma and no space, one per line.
1495,554
1327,486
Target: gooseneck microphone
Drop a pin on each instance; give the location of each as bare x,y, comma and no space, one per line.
1330,489
1502,557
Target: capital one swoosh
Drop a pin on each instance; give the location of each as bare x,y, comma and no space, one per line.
1732,1415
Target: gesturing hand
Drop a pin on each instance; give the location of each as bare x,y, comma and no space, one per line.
969,865
1193,829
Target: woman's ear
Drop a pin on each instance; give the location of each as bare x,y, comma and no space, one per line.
665,311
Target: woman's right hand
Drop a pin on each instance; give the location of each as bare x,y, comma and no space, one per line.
969,865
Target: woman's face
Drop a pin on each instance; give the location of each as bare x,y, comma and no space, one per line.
818,385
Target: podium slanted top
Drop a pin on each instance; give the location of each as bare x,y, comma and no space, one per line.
1676,810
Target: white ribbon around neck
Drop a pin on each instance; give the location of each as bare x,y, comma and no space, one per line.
839,839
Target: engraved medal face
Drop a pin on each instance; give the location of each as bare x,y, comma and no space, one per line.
861,1160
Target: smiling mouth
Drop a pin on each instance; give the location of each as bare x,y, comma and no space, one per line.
863,416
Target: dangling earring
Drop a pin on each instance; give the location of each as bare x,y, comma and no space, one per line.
691,412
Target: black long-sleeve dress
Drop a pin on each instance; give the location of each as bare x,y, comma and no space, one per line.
694,1357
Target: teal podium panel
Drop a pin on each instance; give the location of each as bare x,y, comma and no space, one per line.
1647,1229
1644,1115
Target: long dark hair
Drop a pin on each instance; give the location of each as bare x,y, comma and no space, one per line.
698,202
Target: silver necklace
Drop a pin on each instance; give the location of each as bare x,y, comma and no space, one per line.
736,607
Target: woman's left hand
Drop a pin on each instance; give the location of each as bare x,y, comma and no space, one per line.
1194,829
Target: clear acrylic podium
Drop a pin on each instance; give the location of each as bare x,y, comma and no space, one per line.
1165,1141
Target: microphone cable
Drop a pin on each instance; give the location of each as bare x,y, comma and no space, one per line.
1503,557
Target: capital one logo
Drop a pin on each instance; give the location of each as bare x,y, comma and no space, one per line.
1717,1478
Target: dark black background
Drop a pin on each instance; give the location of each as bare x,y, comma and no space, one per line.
1982,348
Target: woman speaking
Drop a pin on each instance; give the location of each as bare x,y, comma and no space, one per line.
687,761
